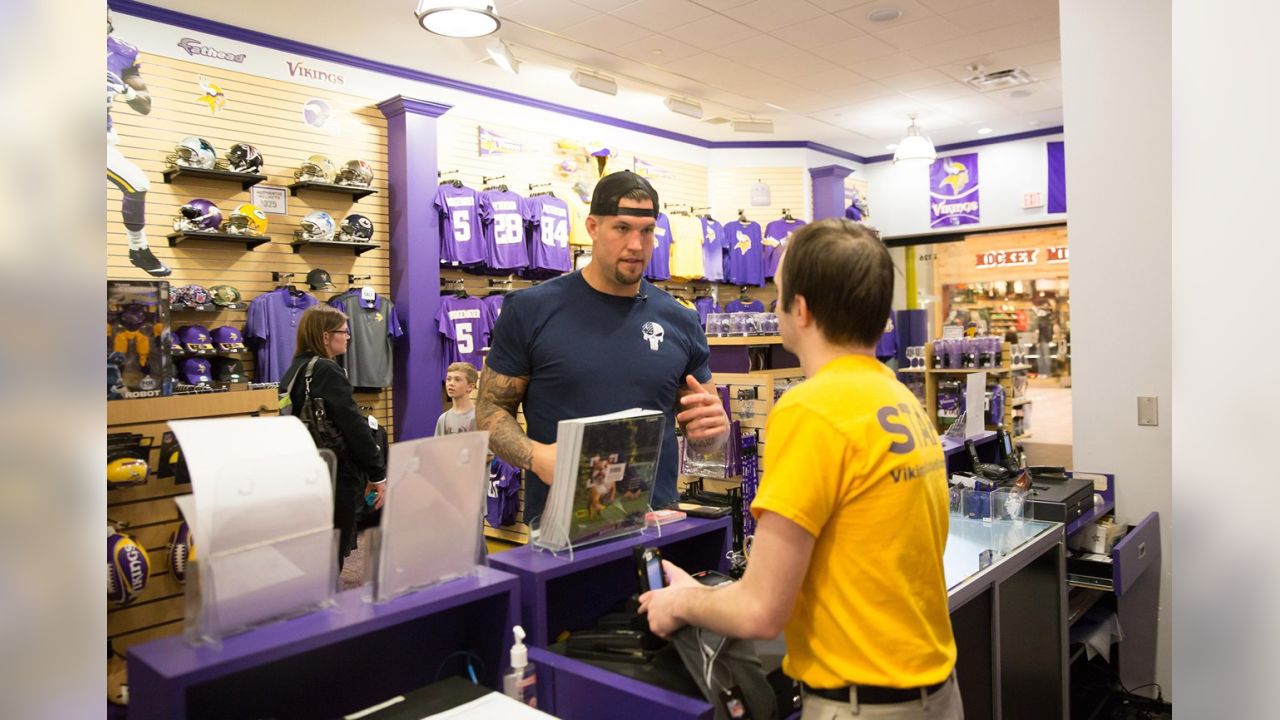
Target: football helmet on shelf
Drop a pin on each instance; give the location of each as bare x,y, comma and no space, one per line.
356,228
245,158
128,568
357,173
318,225
317,168
198,215
247,219
194,152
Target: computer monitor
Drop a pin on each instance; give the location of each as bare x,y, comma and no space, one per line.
1005,441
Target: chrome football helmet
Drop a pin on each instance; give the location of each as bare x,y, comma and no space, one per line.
318,225
194,152
317,168
357,173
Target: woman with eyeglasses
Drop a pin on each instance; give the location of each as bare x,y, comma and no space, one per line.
323,335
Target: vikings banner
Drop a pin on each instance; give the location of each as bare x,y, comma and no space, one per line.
953,191
1057,177
491,143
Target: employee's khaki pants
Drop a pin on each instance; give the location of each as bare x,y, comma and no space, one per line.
942,705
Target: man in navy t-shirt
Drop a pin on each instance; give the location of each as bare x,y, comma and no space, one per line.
596,341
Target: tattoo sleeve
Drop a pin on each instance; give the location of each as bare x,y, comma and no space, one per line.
496,403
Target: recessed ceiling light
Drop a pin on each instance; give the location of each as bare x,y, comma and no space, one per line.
1020,93
884,15
656,51
984,131
891,146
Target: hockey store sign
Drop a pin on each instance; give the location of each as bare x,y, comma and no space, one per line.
953,191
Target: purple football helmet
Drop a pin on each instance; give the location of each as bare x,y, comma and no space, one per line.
198,215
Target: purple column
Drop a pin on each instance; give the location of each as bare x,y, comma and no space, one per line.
828,191
415,262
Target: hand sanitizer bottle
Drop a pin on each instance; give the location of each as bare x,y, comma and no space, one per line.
521,682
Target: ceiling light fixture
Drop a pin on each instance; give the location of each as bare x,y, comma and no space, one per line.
984,131
914,149
594,81
753,125
683,106
884,15
457,18
502,57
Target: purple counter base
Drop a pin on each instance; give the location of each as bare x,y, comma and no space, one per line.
331,662
559,594
574,690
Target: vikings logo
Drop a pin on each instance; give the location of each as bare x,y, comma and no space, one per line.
957,176
211,95
743,244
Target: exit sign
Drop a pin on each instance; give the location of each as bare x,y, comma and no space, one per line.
1032,200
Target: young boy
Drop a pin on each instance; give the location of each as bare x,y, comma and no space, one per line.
459,382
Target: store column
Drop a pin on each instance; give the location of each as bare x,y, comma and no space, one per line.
828,190
415,262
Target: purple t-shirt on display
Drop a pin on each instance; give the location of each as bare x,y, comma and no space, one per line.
272,328
503,493
775,233
739,306
746,253
659,267
495,305
705,306
502,215
465,324
548,221
460,236
712,250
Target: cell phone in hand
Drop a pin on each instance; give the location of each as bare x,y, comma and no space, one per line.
649,569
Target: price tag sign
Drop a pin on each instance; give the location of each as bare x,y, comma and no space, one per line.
270,199
1032,200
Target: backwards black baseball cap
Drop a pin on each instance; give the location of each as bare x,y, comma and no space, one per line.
611,188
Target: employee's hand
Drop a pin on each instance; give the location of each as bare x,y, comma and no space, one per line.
703,417
543,462
662,605
380,489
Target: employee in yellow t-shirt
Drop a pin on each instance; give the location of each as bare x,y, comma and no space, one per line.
852,509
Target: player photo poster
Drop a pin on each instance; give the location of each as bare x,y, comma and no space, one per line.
495,143
953,191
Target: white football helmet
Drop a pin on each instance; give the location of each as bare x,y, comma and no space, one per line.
317,168
318,225
357,173
194,152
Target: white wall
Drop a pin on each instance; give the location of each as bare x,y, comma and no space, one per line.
899,196
1121,200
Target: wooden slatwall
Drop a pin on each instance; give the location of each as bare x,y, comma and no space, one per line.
267,114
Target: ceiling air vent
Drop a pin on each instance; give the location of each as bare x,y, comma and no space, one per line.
998,79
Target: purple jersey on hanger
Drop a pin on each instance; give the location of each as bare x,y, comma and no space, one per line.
712,250
460,238
775,234
122,59
659,267
272,328
503,493
465,324
548,221
495,305
746,253
502,215
705,306
739,306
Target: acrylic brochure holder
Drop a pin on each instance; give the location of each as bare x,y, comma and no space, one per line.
431,527
254,566
560,545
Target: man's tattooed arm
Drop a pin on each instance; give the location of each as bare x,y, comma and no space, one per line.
496,403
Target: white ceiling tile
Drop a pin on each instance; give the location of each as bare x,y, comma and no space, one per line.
1041,29
755,48
946,6
770,15
916,80
601,30
952,90
799,65
948,51
887,66
818,31
973,109
1041,52
703,67
911,12
849,53
723,5
920,34
831,81
711,32
998,13
553,15
838,5
1045,71
656,50
603,6
661,15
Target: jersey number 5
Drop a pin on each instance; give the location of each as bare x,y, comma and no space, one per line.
466,345
461,226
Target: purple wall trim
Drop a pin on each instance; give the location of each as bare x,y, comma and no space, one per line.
400,104
828,190
984,141
415,262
